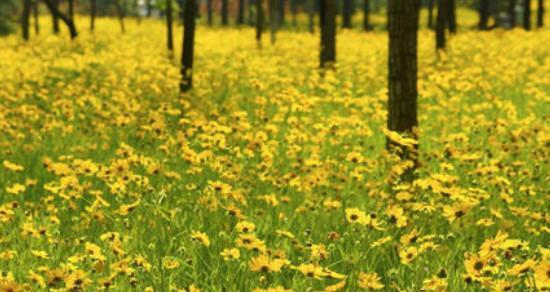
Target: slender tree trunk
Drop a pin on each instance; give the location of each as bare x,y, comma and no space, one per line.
483,14
52,6
294,11
311,15
273,19
366,12
259,21
328,34
188,46
240,14
148,8
169,37
71,9
93,10
121,14
55,18
209,11
282,12
540,14
402,73
452,16
527,14
35,15
346,13
225,12
431,5
441,24
512,12
25,19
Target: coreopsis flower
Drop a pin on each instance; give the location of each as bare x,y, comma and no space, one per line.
200,237
312,271
77,280
170,263
370,281
245,227
230,254
265,264
542,275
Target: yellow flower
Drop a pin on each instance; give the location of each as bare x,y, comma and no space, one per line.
264,264
354,215
408,254
542,275
245,227
40,254
370,281
312,271
230,254
170,263
16,189
200,237
77,280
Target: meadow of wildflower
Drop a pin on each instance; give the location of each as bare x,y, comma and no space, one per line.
267,176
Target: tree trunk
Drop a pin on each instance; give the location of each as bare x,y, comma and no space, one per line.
282,12
346,13
431,4
451,8
328,34
71,9
540,14
225,12
169,36
52,6
240,14
55,18
121,14
512,12
188,43
148,8
259,21
25,19
35,16
441,24
273,19
93,10
366,12
311,15
294,11
483,14
209,11
402,73
527,14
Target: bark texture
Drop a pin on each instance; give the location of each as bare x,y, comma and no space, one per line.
328,34
188,46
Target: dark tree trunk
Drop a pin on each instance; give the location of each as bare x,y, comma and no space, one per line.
346,13
431,4
169,36
328,34
452,16
540,14
225,12
311,15
527,14
273,19
294,11
35,16
209,11
366,12
148,8
188,43
441,24
55,18
57,14
483,14
512,12
121,14
282,12
26,18
402,72
259,20
71,9
93,10
240,14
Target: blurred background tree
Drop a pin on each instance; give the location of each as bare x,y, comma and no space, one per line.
8,16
